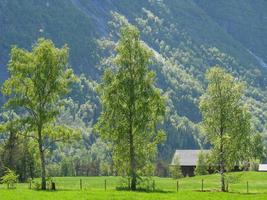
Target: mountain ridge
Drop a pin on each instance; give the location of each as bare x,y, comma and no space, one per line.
191,36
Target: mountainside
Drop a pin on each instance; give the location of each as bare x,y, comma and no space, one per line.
187,37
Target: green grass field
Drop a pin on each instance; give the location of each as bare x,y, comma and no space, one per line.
189,189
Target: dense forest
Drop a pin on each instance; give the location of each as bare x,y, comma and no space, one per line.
186,37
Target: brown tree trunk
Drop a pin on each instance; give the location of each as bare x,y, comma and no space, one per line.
42,159
43,172
222,162
222,177
132,164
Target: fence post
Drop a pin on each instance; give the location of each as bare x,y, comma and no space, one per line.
30,185
81,184
247,187
202,186
153,185
177,186
129,183
105,185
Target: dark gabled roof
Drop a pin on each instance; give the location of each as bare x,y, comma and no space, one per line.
187,157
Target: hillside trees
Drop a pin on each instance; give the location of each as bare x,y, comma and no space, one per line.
131,107
10,127
38,80
226,122
257,148
16,154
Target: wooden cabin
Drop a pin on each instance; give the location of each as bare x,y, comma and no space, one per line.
188,160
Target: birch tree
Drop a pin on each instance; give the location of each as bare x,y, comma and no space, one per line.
38,80
131,107
226,121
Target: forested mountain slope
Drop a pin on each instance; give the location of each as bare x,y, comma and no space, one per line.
245,21
187,36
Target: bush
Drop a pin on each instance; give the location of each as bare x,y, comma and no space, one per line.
175,171
202,164
10,178
123,183
145,184
254,165
36,185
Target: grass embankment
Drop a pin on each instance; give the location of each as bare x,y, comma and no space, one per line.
189,189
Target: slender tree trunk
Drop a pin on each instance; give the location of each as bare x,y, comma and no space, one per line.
131,136
43,172
132,164
132,154
42,159
222,162
222,177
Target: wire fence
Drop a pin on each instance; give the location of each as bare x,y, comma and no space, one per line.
155,184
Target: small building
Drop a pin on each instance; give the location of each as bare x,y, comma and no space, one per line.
262,168
188,160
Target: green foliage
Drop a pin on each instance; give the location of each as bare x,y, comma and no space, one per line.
36,185
187,37
66,167
16,153
257,148
175,168
10,178
254,165
132,107
53,20
53,170
234,178
241,23
226,122
37,82
202,164
9,129
146,184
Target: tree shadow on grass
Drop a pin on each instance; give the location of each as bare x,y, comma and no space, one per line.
230,192
144,190
245,193
57,190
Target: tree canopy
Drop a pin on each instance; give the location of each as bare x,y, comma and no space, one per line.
38,80
226,121
131,107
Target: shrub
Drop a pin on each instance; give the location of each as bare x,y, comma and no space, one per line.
175,171
10,178
254,165
36,185
202,165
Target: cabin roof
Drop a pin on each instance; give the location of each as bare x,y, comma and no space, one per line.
187,157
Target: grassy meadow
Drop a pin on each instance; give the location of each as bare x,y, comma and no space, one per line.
189,189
